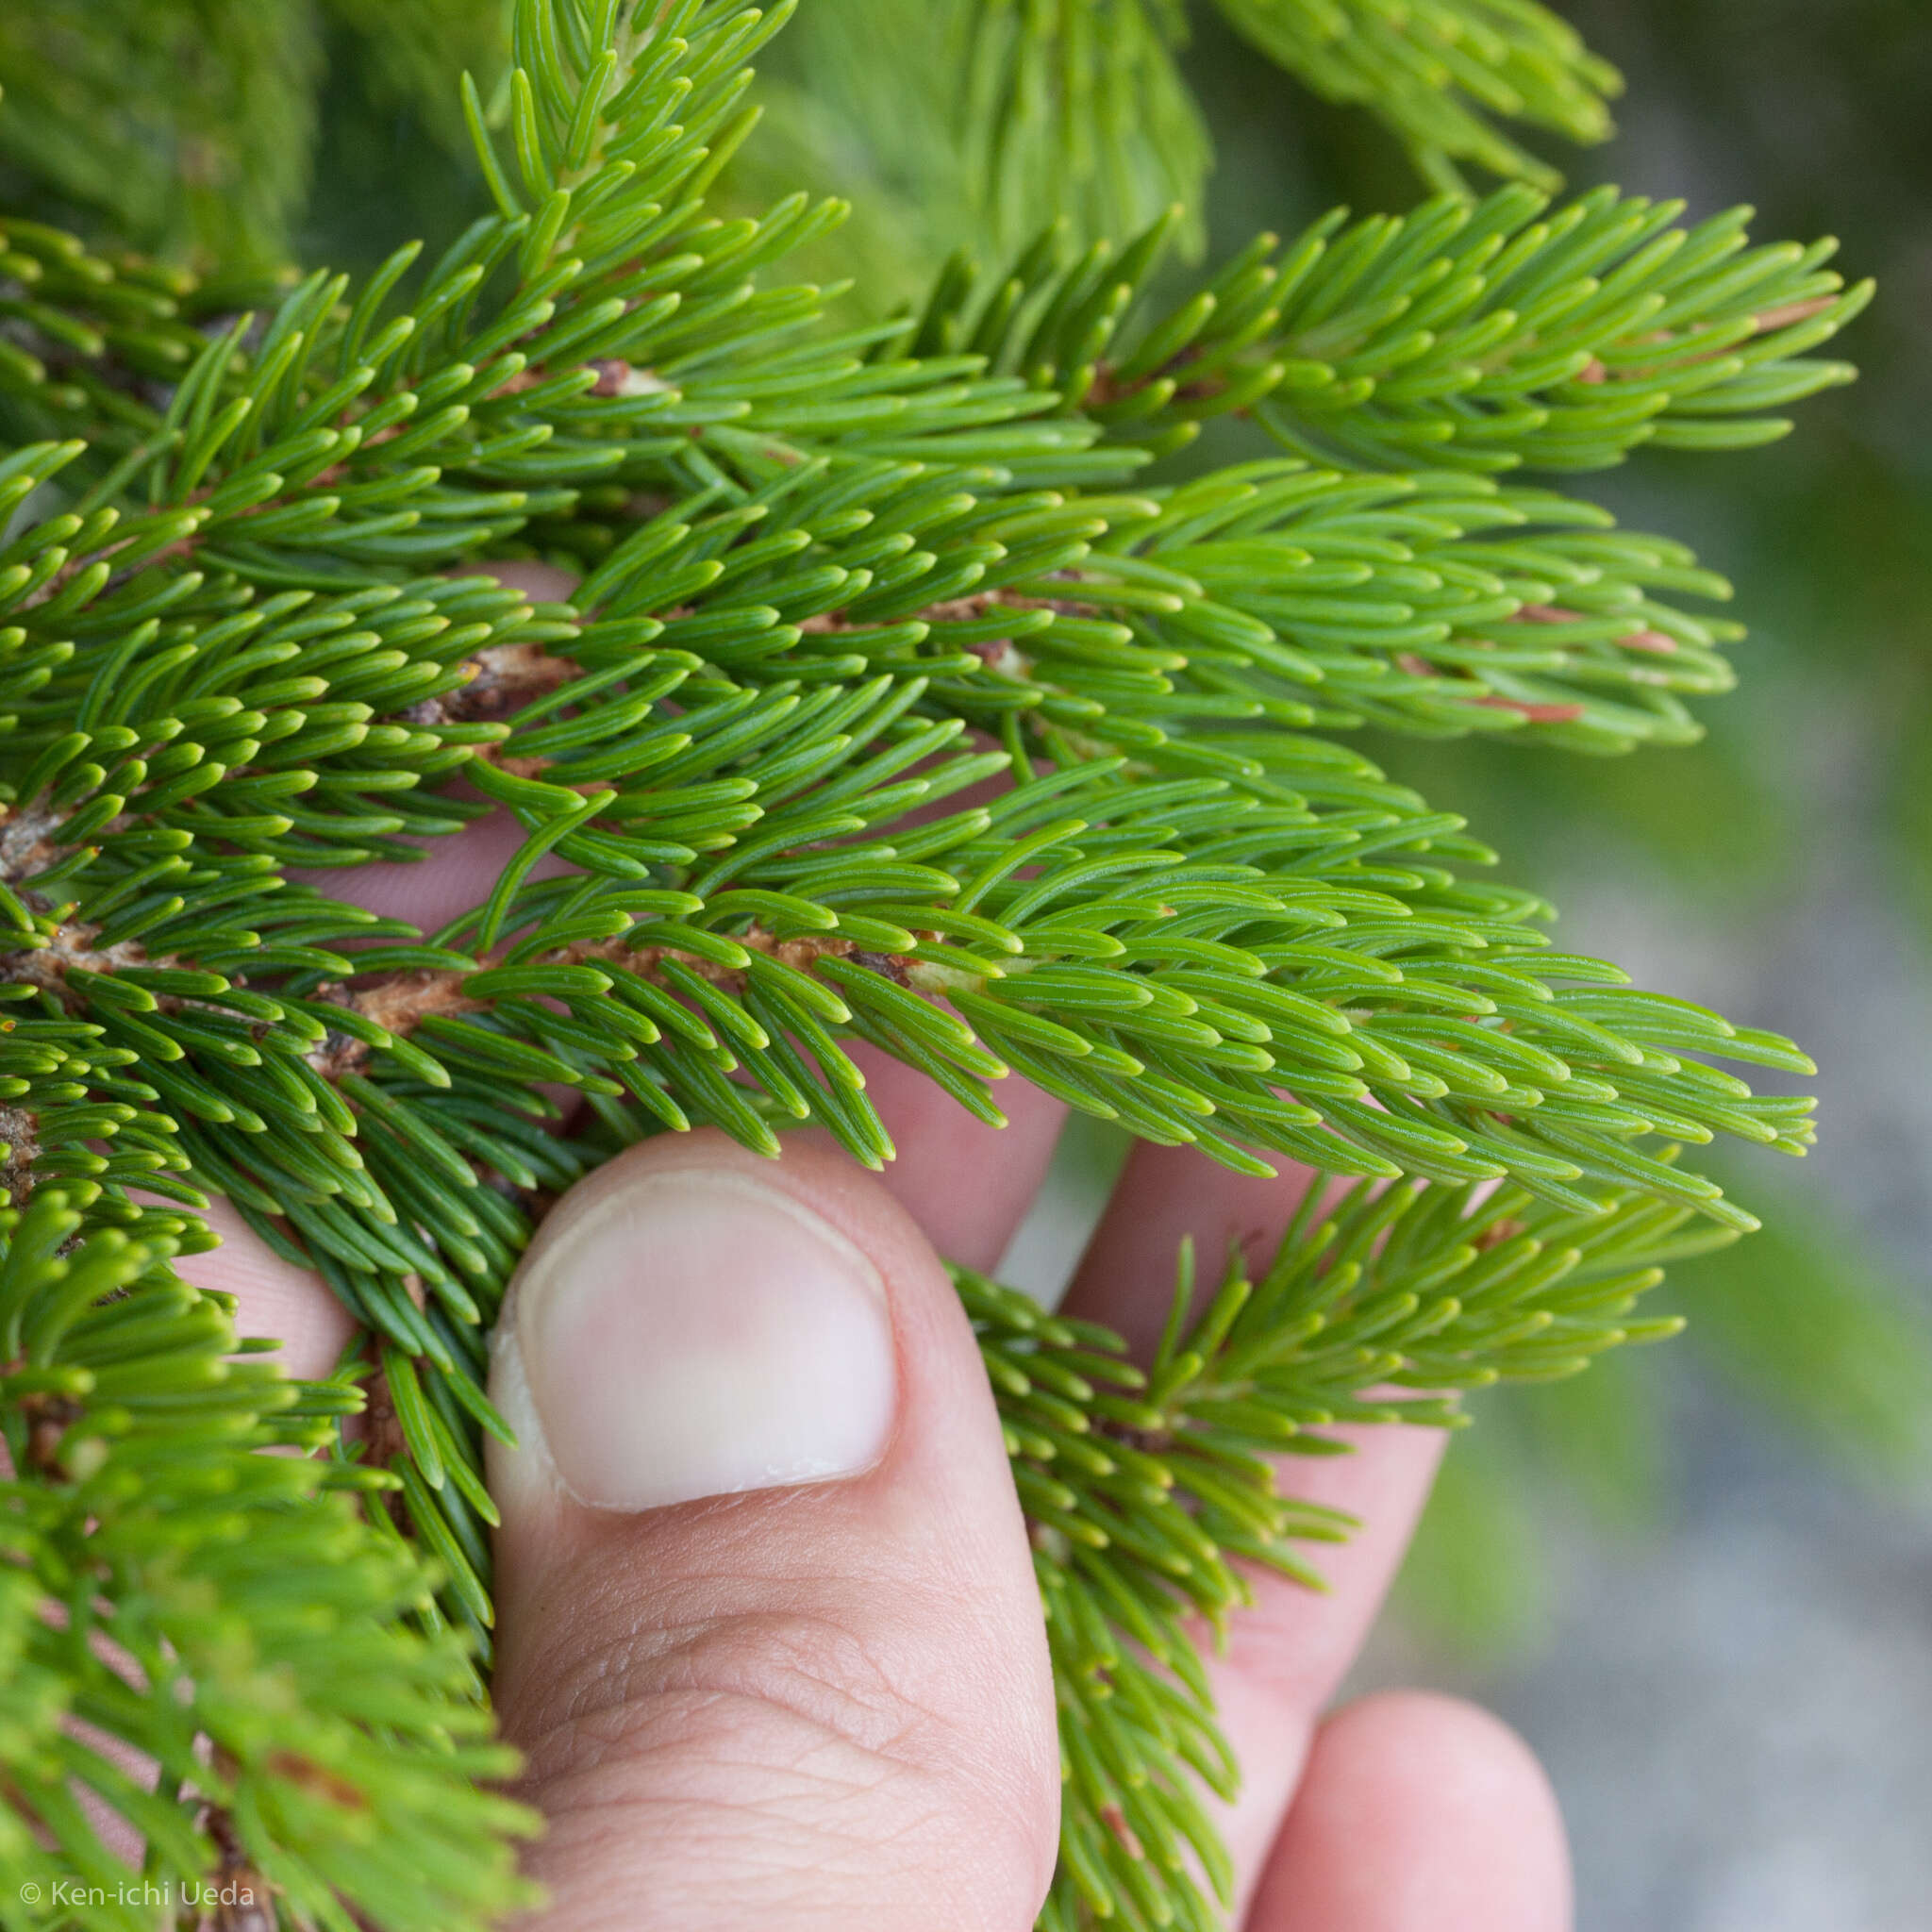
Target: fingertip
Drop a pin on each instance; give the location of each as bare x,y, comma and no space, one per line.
692,1257
729,1545
1165,1195
1419,1812
275,1297
967,1185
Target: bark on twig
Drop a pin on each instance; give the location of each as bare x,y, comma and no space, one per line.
400,1002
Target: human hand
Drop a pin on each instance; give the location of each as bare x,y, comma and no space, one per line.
768,1632
827,1701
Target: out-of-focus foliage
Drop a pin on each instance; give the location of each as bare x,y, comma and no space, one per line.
1439,73
992,116
190,126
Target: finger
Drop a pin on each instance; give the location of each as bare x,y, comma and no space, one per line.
769,1632
455,874
1287,1654
1419,1813
967,1185
458,871
275,1298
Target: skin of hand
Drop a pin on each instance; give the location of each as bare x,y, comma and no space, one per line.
768,1631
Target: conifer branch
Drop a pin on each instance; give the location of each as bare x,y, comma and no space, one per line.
396,1005
1486,336
1158,1492
178,1655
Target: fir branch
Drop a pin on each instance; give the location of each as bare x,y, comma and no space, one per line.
1157,1492
799,832
1486,334
150,1554
394,1006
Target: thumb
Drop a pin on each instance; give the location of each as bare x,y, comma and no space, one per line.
768,1633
